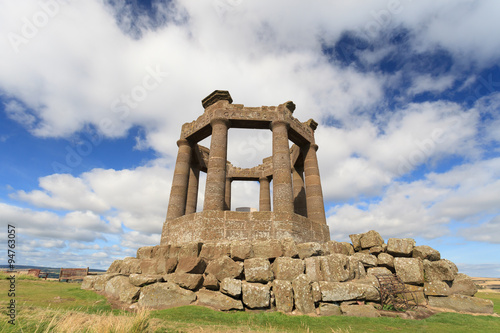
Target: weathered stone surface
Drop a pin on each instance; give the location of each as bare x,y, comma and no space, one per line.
165,295
268,249
224,267
357,269
285,268
101,280
149,266
356,241
121,288
193,265
218,301
88,282
283,294
191,249
241,250
409,270
303,294
418,293
185,280
231,287
313,269
131,266
369,287
436,288
255,295
210,282
316,292
115,266
463,285
211,251
366,259
443,270
359,311
161,251
370,239
258,270
173,251
462,303
145,252
310,249
140,280
348,247
289,248
400,247
329,309
375,250
385,260
166,265
332,247
339,291
377,271
335,267
426,252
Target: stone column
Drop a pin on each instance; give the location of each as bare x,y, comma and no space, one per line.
265,195
314,193
216,173
178,193
282,177
227,201
192,194
299,191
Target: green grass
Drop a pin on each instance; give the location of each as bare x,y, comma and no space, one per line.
51,306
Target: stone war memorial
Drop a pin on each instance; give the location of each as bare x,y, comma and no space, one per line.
279,258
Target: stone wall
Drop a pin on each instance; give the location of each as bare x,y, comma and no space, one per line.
330,278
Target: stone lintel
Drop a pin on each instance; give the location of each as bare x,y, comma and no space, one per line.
217,95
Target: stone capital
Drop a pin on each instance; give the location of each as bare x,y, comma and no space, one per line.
183,142
216,121
314,146
279,122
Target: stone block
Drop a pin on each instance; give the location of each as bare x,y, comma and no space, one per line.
185,280
283,294
348,248
436,288
356,241
166,265
316,292
121,288
241,250
224,267
88,282
285,268
310,249
426,252
161,251
377,271
302,294
370,287
145,252
141,280
409,270
210,282
131,266
418,292
258,270
268,249
191,249
329,309
359,311
356,268
165,295
443,270
335,267
366,259
173,251
115,267
332,247
149,266
385,260
193,265
462,303
463,285
101,280
370,239
231,287
340,291
255,295
400,247
211,251
218,301
289,248
313,269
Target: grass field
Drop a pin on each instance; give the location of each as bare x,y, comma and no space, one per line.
51,306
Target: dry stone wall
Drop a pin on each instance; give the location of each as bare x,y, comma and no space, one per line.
331,278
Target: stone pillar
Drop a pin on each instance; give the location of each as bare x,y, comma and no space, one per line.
265,195
299,191
227,201
178,193
282,177
192,194
314,193
216,173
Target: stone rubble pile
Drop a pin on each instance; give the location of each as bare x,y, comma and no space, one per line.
331,278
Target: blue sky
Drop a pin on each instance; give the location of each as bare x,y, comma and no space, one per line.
93,95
